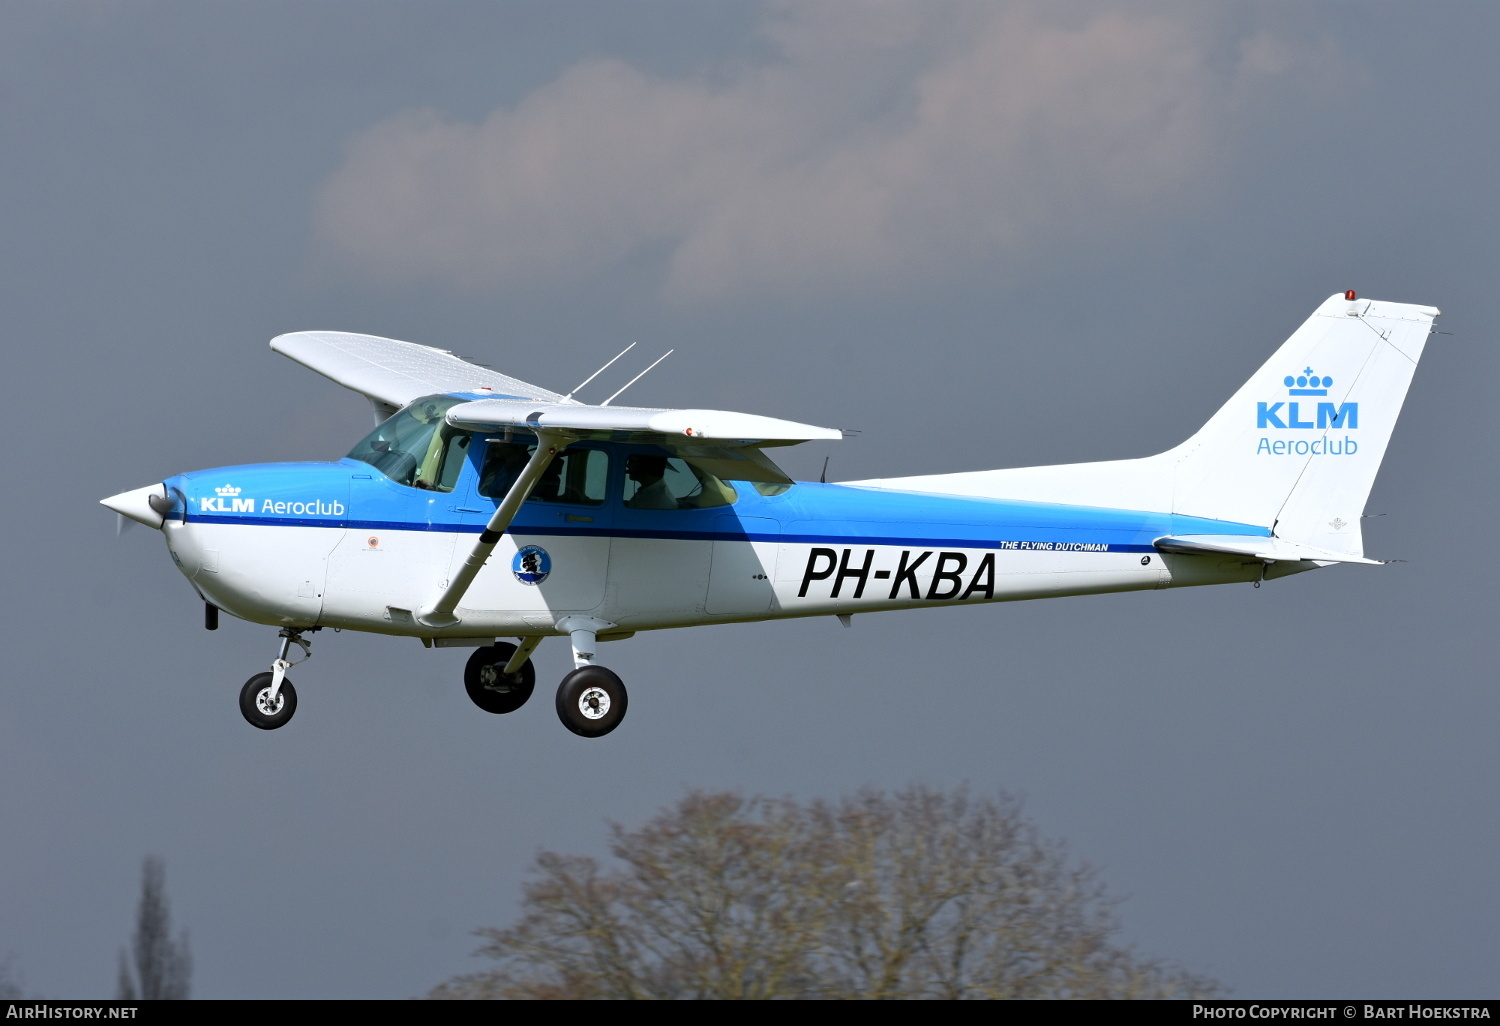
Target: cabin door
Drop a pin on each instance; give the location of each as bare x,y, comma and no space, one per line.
554,558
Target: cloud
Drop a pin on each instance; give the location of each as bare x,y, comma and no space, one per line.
882,143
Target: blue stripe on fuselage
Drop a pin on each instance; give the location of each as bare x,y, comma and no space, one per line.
809,513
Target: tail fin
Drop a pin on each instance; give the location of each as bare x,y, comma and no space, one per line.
1298,446
1296,449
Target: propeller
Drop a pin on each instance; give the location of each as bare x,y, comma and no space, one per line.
149,506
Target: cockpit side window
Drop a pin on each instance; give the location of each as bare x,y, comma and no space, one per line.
665,482
448,460
415,447
575,477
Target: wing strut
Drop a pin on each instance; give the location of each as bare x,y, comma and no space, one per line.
440,613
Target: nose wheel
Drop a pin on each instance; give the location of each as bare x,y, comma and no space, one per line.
268,700
591,701
264,708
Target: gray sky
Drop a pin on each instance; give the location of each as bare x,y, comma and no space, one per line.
1062,233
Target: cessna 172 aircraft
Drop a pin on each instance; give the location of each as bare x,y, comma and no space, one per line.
481,507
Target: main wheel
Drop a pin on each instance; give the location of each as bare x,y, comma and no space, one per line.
257,707
487,684
591,701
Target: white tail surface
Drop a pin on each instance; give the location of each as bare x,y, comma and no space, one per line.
1296,449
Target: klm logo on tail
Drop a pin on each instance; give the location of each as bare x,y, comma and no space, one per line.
1298,415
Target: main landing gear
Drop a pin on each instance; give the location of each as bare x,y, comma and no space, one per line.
500,677
591,701
268,700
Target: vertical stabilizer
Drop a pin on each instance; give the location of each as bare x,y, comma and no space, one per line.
1298,446
1296,449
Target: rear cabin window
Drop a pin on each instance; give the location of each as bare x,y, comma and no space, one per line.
665,482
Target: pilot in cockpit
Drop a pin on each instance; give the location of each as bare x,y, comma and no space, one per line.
651,490
549,487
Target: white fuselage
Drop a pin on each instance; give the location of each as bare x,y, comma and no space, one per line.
757,567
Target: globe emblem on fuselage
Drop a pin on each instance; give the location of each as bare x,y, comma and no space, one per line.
531,565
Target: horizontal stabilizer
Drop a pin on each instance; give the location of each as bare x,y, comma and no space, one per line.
1272,550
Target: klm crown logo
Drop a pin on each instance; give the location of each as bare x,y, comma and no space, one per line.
1307,383
226,499
1295,415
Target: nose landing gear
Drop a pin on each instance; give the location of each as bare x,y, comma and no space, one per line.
264,709
268,700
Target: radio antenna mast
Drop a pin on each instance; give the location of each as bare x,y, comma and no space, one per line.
639,376
569,397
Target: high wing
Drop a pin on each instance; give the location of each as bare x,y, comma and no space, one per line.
391,373
722,443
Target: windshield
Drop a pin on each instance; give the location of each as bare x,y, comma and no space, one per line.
415,447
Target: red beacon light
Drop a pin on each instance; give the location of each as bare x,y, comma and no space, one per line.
1350,296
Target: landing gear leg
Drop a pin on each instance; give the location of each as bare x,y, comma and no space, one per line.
268,700
591,700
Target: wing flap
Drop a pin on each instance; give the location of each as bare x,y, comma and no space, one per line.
1272,550
388,371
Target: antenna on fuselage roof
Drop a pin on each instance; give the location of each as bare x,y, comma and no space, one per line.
601,370
638,377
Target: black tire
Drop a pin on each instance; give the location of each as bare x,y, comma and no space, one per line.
591,701
252,703
487,686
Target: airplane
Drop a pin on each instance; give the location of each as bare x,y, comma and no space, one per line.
481,507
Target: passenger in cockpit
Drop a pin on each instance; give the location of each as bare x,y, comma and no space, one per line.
502,465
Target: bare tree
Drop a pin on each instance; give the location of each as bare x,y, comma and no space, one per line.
163,968
919,894
10,980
